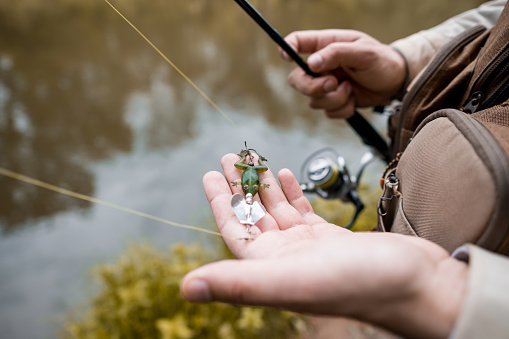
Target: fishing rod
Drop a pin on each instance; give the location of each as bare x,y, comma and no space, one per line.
361,126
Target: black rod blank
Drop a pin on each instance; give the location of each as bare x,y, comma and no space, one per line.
257,17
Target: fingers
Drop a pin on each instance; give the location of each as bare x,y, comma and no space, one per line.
348,55
301,42
339,103
219,194
324,92
356,69
281,215
286,206
314,40
310,86
377,70
343,112
231,172
296,198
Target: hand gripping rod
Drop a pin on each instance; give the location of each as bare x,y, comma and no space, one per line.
361,126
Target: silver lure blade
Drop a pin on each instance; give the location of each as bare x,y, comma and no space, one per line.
247,214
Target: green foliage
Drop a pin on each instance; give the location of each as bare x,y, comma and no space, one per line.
340,213
140,298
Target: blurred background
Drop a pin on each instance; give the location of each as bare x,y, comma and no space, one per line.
86,104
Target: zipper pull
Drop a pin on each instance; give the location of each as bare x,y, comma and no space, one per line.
474,103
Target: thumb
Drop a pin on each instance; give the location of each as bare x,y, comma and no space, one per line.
233,281
277,283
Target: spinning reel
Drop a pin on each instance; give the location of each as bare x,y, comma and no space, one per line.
325,173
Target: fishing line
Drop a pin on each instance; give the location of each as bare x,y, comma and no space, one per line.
174,66
42,184
245,131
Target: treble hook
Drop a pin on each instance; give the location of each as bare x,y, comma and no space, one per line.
248,152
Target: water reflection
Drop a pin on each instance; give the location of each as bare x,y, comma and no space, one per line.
68,74
59,111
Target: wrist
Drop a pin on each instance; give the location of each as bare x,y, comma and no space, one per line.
426,307
403,89
433,309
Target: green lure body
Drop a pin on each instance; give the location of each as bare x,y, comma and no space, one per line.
250,181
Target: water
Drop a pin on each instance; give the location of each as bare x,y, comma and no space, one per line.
87,105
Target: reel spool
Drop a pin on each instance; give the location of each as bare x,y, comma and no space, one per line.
325,173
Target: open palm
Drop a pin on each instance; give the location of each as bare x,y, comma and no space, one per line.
300,262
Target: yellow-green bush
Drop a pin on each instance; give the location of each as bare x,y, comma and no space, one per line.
337,212
140,298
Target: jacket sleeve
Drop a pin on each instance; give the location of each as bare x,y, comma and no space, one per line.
485,309
419,48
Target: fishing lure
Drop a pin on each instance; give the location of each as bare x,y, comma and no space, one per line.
248,211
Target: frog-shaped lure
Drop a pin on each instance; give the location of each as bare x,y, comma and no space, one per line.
246,210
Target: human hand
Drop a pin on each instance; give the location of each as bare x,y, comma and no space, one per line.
299,262
358,70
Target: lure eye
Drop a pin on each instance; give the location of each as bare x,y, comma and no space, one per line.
246,187
255,187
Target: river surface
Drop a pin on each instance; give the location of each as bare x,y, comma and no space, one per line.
87,105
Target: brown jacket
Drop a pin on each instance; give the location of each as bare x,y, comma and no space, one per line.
485,309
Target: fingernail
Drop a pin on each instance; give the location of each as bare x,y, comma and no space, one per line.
315,61
329,85
197,291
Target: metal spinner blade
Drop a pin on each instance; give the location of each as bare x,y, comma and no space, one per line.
247,212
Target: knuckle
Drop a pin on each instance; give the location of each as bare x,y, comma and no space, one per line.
340,113
228,158
330,53
315,104
316,88
238,292
291,79
370,54
331,114
333,101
